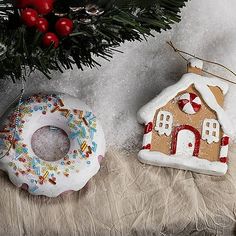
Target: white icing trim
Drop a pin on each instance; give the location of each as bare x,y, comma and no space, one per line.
224,148
209,132
224,151
191,163
194,62
185,142
164,125
201,83
147,139
188,109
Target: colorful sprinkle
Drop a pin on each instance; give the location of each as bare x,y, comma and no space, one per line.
82,127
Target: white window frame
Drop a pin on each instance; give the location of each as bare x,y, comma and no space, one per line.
211,131
164,123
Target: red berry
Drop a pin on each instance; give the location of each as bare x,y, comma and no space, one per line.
64,26
50,38
29,17
43,6
42,25
23,3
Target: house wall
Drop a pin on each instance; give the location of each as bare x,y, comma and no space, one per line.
163,143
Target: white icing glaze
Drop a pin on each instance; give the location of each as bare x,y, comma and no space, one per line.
183,162
75,169
194,62
201,83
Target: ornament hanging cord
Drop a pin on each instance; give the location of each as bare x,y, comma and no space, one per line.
20,97
180,52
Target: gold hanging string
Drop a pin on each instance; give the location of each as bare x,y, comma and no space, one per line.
20,97
181,52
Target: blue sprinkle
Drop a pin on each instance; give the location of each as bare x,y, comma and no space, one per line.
94,147
82,154
73,135
40,108
37,170
88,162
70,118
34,188
17,137
92,132
88,114
62,163
18,156
79,142
83,132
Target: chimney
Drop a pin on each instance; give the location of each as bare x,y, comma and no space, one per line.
195,66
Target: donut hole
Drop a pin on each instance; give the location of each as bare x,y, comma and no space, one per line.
50,143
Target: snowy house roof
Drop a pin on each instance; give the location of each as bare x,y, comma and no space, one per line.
201,83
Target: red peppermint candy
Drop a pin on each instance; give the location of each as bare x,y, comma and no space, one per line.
189,103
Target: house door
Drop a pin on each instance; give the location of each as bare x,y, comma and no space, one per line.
185,140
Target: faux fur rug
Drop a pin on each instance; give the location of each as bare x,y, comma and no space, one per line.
127,198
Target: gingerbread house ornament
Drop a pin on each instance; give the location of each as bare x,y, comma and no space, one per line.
186,126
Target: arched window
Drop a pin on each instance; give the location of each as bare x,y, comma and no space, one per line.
164,123
211,130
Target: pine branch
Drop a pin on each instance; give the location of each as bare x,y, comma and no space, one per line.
122,20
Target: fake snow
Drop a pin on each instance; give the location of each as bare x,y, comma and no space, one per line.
118,89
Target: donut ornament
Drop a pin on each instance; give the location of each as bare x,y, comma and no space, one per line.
51,178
